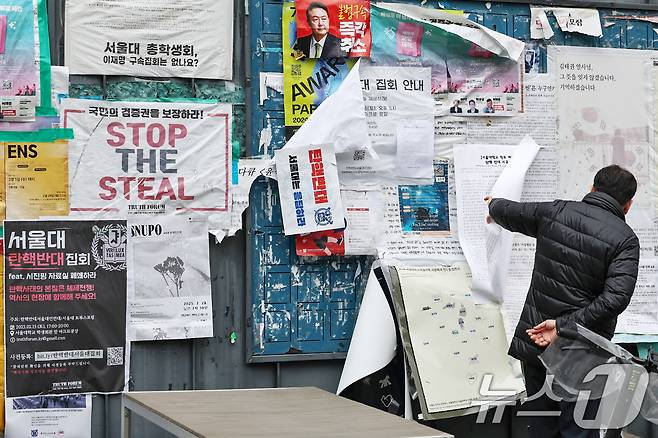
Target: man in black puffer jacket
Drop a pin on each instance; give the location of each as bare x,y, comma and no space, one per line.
585,270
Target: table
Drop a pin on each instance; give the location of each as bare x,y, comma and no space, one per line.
272,412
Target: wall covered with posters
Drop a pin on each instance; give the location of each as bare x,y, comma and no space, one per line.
275,272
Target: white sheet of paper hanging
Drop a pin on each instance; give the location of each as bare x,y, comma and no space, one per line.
415,149
509,186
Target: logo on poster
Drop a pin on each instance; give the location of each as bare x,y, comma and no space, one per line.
34,432
323,216
109,247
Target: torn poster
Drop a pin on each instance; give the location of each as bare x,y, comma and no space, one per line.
157,38
477,168
475,72
82,303
60,85
308,189
150,158
453,345
363,212
306,82
66,416
374,373
169,285
333,28
341,122
373,341
248,170
397,100
585,21
36,172
269,81
509,185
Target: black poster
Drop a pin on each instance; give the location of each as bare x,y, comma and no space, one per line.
65,306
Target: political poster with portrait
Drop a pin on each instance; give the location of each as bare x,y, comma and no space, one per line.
150,158
308,189
62,416
156,38
333,28
306,82
65,306
169,290
467,78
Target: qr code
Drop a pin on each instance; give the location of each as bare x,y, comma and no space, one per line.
296,70
114,356
359,155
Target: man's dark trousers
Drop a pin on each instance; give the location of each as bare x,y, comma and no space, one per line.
554,426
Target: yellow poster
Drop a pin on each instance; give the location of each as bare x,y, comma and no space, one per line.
36,174
306,82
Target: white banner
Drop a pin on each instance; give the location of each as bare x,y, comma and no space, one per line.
158,38
65,416
169,288
308,188
150,158
585,21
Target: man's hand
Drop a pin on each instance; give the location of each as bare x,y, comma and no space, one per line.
544,333
487,200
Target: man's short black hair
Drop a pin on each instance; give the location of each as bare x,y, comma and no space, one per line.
471,101
315,5
489,100
616,182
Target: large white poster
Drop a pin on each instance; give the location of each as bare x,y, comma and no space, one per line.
399,112
150,158
308,188
64,416
169,289
606,114
158,38
452,343
595,128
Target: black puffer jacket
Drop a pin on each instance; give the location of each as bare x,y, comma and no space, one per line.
585,268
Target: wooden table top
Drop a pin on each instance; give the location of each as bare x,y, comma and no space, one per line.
276,412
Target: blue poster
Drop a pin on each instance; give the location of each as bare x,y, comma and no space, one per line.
425,208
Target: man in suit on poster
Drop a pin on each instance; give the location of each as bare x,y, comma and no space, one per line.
320,43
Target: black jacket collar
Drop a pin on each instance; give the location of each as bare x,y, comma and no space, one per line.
605,201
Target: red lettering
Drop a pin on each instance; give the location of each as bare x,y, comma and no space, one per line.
104,184
143,188
150,137
126,180
135,127
165,190
176,132
181,190
112,130
321,197
315,155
